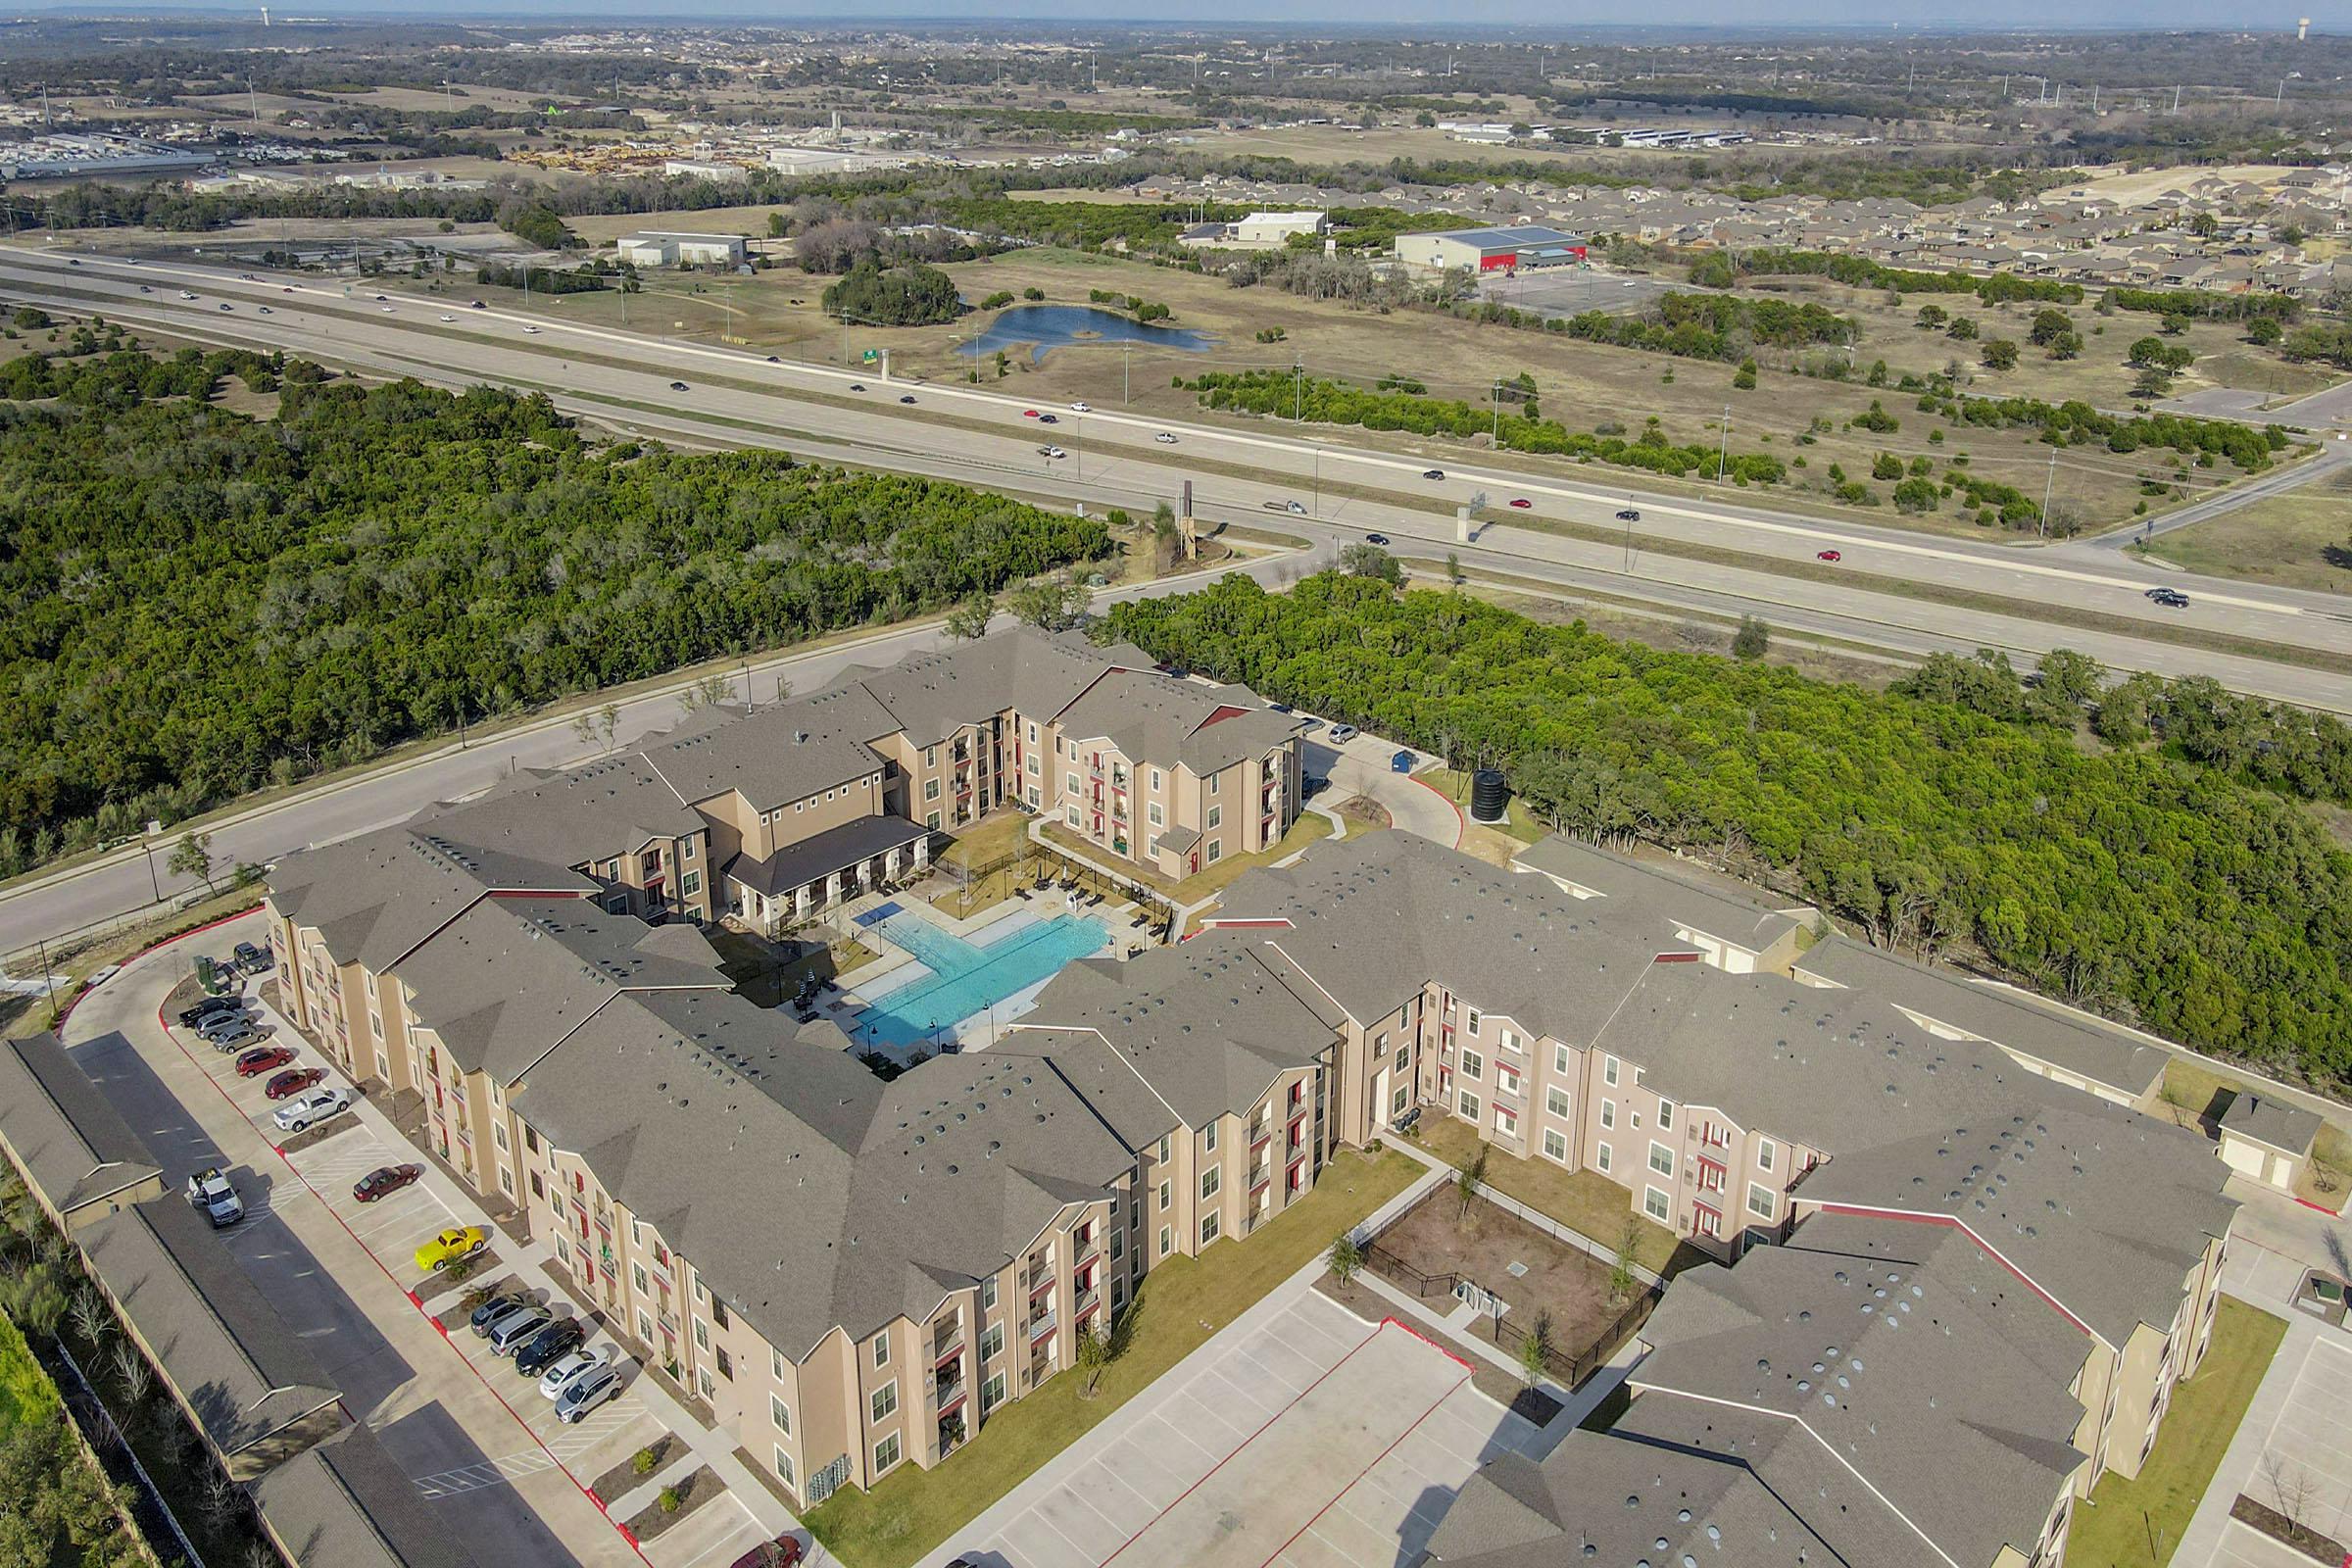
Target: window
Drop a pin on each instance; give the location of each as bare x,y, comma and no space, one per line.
1156,778
1468,1105
988,1294
538,1188
691,883
885,1401
1167,1240
644,1326
1474,1065
726,1365
1510,1041
992,1343
1559,1060
1506,1078
1211,1180
992,1393
1665,1116
1661,1158
1655,1205
1474,1023
1033,734
719,1313
1555,1147
1166,1148
701,1334
498,1134
1216,816
886,1453
686,850
1155,815
1506,1121
530,1139
1167,1194
1556,1102
1762,1201
1074,778
775,1364
930,789
1118,1245
931,755
1609,1071
784,1468
1764,1154
882,1350
931,820
1209,1227
1208,1138
638,1277
506,1180
1216,850
1069,814
1608,1114
1032,764
1605,1156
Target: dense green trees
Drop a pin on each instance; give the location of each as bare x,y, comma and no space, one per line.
894,295
193,603
2173,894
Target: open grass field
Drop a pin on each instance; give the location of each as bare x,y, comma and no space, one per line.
2302,539
602,228
2138,185
1181,1303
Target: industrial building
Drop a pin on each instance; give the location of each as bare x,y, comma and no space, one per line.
655,248
1492,250
1259,231
721,174
69,155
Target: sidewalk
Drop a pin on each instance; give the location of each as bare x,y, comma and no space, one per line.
2204,1541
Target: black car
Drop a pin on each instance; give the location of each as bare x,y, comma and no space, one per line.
493,1309
190,1017
474,305
1048,418
908,398
856,386
1432,474
1629,514
2169,598
677,386
1376,538
251,956
775,359
549,1346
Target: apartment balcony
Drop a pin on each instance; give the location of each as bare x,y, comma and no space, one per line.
1088,1300
1260,1137
1041,1324
1042,1281
949,1349
947,1394
1088,1251
1260,1174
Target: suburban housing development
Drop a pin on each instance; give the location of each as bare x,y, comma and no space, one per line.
858,1273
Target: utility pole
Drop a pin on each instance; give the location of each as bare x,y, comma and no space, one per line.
750,704
2176,99
2049,485
148,844
1723,455
1494,395
1123,348
2278,101
1297,390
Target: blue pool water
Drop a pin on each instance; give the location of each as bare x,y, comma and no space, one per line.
1054,326
965,979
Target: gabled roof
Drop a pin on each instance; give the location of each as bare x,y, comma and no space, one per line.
773,755
374,898
344,1503
71,1142
1152,718
1667,894
2268,1119
614,806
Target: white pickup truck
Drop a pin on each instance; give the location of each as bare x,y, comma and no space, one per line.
211,1194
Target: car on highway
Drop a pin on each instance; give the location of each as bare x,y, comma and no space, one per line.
190,1017
385,1180
1028,414
586,1394
296,1114
1342,734
1432,474
485,1316
446,316
1376,538
2169,598
262,1058
225,305
1521,503
293,1081
1048,418
514,1331
185,295
379,299
782,1553
1051,452
285,289
1827,554
775,359
473,305
144,289
71,262
856,386
908,398
677,386
1164,439
211,1194
1082,408
265,310
248,277
550,1346
1628,515
532,330
456,1242
566,1369
1297,509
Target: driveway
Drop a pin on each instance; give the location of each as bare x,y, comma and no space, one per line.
1361,766
1314,1442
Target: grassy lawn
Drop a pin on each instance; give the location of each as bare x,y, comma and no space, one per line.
1455,787
2296,540
992,837
26,1392
2125,1516
1310,828
1181,1303
1583,1201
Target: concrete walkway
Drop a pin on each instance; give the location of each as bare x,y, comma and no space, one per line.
2213,1540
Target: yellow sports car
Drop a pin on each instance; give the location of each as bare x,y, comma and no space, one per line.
451,1246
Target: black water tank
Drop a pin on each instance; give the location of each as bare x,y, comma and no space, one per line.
1490,796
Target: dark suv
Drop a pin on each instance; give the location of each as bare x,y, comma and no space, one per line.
549,1346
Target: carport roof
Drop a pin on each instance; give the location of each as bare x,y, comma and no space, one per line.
69,1138
344,1503
222,1345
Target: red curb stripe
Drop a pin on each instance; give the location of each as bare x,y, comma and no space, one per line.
1400,1323
1367,1469
1461,824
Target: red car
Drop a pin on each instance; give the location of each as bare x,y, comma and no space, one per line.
1522,503
293,1082
385,1182
1028,414
782,1553
1828,555
260,1058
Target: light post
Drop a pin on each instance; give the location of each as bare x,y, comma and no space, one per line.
147,842
1723,454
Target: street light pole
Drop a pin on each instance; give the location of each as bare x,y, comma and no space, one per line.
2048,485
149,846
1723,453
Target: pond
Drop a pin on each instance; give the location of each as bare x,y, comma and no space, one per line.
1053,327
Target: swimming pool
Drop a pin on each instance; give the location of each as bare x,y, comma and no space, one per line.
965,979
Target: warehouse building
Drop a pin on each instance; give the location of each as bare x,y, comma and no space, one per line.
654,248
1492,250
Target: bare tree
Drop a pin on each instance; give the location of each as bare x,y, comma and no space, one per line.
91,1320
132,1372
2290,1484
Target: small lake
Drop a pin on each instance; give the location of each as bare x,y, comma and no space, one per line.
1058,327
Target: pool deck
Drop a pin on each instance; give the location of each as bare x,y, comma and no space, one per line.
896,968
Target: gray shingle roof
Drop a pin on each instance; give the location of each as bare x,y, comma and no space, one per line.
821,855
1170,721
614,806
775,755
2269,1119
374,898
220,1343
1892,1368
1665,894
2011,1018
344,1503
73,1145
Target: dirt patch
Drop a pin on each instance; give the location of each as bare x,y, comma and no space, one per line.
702,1486
2279,1528
625,1477
1528,1271
1363,809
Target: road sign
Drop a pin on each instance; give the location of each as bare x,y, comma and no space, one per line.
870,355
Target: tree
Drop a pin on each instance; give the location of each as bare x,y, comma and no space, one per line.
1453,567
2290,1484
2204,226
1050,604
1467,1181
1345,1257
1752,639
1536,1347
970,619
1093,1349
707,691
2265,330
1743,379
1963,327
1623,1281
192,856
1931,317
2048,326
915,295
2173,323
2000,354
1887,467
1361,560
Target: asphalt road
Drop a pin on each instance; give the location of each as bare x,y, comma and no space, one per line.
736,398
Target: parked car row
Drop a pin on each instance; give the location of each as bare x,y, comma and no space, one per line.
549,1348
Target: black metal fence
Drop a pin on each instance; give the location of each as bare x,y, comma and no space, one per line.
1398,1271
1571,1369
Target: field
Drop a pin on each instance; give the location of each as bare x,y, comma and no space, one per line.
2302,539
2138,185
604,228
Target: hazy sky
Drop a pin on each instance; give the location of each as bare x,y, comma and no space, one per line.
1415,16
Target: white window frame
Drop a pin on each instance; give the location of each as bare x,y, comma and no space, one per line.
1766,1153
1609,1071
1552,1136
1770,1210
1665,1200
883,1402
889,1445
1661,1160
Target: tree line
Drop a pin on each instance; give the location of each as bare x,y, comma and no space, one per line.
198,603
2174,896
1728,268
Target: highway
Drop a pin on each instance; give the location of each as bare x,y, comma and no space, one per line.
1713,558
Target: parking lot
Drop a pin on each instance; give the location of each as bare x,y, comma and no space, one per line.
1316,1441
2307,1453
477,1438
